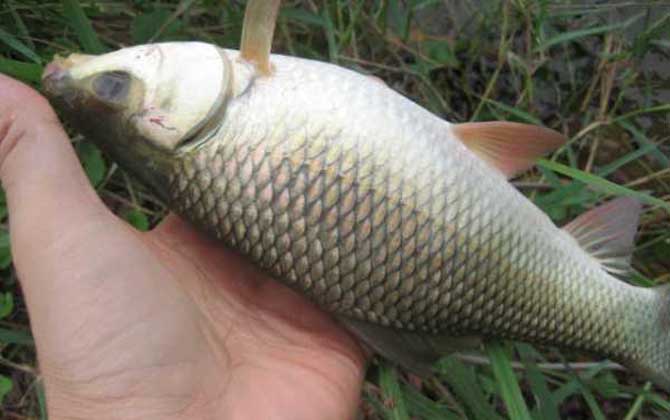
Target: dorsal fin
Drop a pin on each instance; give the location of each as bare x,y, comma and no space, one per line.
511,147
607,232
411,350
258,30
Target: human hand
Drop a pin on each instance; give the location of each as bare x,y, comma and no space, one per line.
164,324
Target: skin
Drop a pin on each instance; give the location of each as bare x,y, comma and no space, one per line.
164,324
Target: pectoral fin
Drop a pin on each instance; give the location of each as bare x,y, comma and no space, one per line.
258,29
510,147
416,352
607,233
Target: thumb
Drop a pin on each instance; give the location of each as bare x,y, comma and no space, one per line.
48,193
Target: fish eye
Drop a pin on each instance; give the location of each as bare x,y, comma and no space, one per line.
112,86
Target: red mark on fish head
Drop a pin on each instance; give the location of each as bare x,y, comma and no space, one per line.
157,120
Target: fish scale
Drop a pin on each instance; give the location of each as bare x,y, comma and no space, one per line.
446,258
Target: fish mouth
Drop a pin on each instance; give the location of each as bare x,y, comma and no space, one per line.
57,80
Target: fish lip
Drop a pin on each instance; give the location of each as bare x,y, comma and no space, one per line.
55,78
58,83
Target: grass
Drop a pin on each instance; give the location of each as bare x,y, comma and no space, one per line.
594,72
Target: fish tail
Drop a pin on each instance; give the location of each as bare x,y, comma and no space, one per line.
655,362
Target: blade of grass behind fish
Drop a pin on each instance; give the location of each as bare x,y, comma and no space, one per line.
398,18
302,16
602,184
507,381
422,407
82,27
637,404
329,29
629,158
576,386
19,337
347,36
557,202
26,72
592,403
18,46
519,114
392,395
463,382
657,30
566,37
644,141
21,27
41,399
173,22
545,407
649,110
659,401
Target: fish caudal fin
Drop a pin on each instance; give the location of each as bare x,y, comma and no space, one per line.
607,233
511,147
258,29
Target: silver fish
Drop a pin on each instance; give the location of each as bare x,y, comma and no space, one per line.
399,223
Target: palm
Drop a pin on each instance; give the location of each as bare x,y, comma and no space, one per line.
161,324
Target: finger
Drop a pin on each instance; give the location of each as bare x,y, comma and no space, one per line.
47,190
177,233
172,225
50,200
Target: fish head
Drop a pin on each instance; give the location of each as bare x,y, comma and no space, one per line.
140,104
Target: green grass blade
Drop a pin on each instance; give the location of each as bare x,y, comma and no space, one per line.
92,161
546,408
21,27
581,33
652,109
659,401
137,219
42,400
6,386
302,16
574,384
644,141
393,395
592,403
637,404
26,72
18,46
8,336
602,184
419,406
463,381
507,382
521,115
329,29
82,27
624,160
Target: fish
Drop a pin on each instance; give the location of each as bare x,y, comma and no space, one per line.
400,224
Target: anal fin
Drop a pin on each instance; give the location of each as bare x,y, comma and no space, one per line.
607,233
414,351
